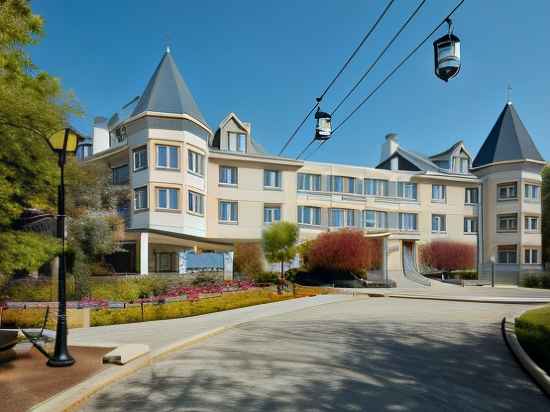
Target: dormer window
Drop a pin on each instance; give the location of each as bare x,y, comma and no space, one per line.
460,164
237,142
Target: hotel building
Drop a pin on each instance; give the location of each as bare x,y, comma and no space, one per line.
196,188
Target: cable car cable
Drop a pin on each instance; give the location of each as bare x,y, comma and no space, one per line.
348,61
356,85
395,69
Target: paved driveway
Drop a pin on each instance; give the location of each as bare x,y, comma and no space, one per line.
366,354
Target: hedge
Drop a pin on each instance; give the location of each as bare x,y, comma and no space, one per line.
533,332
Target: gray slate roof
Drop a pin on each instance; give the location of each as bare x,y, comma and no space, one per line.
508,140
167,92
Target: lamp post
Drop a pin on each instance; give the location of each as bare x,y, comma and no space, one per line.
62,142
492,271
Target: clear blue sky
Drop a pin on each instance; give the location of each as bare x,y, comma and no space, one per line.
267,61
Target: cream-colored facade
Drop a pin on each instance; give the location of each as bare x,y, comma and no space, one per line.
194,188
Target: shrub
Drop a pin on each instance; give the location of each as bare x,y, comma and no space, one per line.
204,279
448,255
266,277
545,281
248,259
345,250
101,317
531,281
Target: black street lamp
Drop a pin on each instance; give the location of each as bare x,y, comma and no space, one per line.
62,142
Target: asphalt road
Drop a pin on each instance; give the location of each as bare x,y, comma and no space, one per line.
375,354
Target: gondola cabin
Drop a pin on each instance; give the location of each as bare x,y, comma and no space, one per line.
447,55
323,128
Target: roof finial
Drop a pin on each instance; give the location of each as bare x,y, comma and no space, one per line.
167,39
509,94
167,49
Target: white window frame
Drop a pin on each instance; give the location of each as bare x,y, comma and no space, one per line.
508,253
234,175
470,225
309,182
468,195
408,222
312,213
140,158
269,176
233,207
139,192
528,223
531,192
508,218
169,198
270,214
380,187
439,193
169,157
236,142
511,190
195,162
409,190
195,202
441,226
528,255
115,171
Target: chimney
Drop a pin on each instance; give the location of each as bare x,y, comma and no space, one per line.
100,135
389,146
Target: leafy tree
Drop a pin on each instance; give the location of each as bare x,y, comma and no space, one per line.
546,215
344,251
447,255
279,243
32,106
248,259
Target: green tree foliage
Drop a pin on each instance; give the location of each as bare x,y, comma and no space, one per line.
248,259
546,214
24,251
279,243
32,106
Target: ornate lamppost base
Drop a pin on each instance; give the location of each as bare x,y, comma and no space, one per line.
61,362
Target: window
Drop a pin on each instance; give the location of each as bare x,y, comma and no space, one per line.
140,198
460,165
272,179
471,196
195,162
167,157
237,142
120,175
195,202
531,223
376,187
470,225
406,190
439,193
532,192
272,214
439,223
507,223
228,211
336,217
507,191
373,219
394,163
507,254
167,198
336,184
309,182
350,218
140,158
164,262
531,256
228,175
407,221
309,215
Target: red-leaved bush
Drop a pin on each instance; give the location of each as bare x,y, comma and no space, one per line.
447,255
345,250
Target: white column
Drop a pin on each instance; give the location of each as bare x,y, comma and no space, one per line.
144,253
228,266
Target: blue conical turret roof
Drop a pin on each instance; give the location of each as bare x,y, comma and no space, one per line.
167,92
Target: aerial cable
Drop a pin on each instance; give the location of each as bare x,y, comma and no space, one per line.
346,64
396,68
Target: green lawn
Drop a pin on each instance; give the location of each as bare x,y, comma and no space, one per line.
533,332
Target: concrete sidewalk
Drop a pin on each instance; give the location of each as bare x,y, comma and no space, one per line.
165,335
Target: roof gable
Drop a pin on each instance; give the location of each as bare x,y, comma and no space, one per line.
167,92
508,140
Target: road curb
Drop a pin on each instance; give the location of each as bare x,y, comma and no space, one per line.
518,301
74,397
538,375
